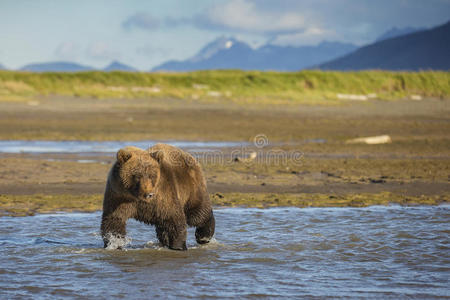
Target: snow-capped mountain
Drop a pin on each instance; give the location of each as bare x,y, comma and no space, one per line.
230,53
212,48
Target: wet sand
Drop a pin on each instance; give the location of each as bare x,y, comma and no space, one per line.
418,124
39,183
413,169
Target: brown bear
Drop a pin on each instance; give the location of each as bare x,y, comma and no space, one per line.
162,186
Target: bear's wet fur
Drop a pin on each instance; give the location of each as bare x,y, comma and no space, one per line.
162,186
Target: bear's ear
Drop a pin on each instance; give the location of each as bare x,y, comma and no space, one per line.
157,155
123,155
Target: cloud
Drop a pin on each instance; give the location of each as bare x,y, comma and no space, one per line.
67,50
310,36
171,22
101,51
145,21
283,22
141,20
245,16
242,16
298,22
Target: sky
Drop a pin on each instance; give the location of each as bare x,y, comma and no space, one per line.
144,34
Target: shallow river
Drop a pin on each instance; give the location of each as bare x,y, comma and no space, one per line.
380,252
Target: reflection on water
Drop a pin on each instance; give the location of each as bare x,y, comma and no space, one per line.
347,252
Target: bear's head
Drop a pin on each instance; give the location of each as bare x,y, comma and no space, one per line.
138,172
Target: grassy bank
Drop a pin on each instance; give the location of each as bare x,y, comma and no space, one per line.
239,86
28,205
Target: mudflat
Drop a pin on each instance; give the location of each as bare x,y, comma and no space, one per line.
326,170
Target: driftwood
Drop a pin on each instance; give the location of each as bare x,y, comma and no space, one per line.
371,140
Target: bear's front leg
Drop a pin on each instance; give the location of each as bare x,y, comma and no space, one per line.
172,235
112,227
177,237
114,221
162,235
205,232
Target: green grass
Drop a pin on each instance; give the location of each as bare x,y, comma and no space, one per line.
233,85
28,205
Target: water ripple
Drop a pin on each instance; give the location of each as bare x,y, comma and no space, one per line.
376,252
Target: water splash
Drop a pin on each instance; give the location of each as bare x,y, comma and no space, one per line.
116,242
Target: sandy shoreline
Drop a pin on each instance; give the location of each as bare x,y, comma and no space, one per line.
42,183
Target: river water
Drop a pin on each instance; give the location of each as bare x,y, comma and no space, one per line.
20,146
376,252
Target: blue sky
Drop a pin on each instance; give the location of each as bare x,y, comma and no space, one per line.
144,34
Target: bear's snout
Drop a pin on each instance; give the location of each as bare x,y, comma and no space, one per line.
144,189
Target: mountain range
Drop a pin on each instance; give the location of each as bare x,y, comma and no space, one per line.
395,32
118,66
423,50
229,53
396,49
62,66
57,66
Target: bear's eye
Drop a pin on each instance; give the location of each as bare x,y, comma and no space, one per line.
137,185
135,179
